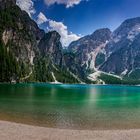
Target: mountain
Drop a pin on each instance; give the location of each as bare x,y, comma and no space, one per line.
123,50
18,38
110,54
50,46
88,48
51,61
27,53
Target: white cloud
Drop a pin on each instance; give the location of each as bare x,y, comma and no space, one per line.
26,5
41,18
68,3
66,37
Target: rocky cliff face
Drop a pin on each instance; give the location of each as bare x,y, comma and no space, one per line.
116,53
26,52
51,47
123,49
88,48
18,38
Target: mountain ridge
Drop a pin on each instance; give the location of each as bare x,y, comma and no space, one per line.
119,52
28,54
21,58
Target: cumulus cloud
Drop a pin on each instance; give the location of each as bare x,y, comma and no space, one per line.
26,5
41,18
68,3
66,36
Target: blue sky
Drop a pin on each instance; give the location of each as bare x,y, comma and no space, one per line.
76,18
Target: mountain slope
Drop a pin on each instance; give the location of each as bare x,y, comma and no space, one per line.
124,49
116,53
87,48
27,53
18,38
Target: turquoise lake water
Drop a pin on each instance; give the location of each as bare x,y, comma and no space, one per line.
71,106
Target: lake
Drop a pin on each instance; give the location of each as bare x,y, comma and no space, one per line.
71,106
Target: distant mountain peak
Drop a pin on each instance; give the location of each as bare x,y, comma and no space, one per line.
101,35
133,21
129,26
30,54
101,31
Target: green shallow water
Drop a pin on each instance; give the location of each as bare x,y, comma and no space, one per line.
71,106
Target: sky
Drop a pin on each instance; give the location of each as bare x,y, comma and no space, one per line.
73,19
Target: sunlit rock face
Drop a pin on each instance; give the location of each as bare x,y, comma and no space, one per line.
116,52
87,49
124,49
27,52
51,46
